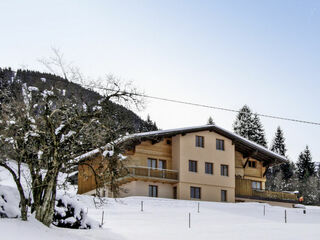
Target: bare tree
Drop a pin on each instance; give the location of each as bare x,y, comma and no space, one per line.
49,134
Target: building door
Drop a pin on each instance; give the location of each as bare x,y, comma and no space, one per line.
175,193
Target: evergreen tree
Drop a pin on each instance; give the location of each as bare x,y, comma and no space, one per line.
306,167
210,121
258,131
243,124
150,125
287,170
249,126
278,144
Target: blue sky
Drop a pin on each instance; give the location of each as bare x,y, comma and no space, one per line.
223,53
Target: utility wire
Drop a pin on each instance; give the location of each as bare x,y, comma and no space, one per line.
214,107
227,109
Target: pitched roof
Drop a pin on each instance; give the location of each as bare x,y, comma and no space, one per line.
243,145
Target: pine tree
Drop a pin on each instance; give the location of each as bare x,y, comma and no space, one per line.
249,126
150,125
306,167
210,121
287,170
243,123
278,144
258,132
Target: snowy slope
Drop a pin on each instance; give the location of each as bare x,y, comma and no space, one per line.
168,219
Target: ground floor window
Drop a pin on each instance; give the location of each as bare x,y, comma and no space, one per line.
153,191
256,185
223,195
195,192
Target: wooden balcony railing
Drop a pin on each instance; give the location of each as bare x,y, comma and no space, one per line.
153,172
265,194
244,189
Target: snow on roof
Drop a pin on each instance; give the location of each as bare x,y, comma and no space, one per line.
211,127
170,132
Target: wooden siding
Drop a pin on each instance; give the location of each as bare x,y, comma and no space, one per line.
160,151
256,172
86,178
137,157
244,189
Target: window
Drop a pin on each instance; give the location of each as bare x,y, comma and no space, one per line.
193,166
175,195
223,195
209,168
224,170
152,163
200,141
162,164
220,144
195,192
255,185
252,164
153,191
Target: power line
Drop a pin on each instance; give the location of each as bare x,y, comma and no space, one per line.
215,107
228,109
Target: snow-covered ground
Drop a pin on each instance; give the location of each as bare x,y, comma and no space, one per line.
168,219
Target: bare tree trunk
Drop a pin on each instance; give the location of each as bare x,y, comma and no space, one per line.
45,207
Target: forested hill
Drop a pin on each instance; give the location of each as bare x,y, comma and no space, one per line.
69,89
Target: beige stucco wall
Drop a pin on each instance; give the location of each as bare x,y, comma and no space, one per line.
184,149
208,192
141,188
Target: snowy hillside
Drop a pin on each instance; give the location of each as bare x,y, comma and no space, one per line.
169,219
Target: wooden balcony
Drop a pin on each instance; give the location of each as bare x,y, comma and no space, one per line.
163,175
245,190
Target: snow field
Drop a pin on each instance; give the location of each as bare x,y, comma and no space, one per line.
164,219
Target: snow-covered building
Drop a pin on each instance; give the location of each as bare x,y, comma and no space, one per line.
204,162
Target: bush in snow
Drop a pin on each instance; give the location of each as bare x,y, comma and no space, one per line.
9,202
68,214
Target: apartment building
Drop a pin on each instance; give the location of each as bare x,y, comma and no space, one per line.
203,163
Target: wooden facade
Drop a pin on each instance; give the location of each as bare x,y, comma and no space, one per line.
244,190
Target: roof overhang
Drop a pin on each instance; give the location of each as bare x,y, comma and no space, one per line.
242,145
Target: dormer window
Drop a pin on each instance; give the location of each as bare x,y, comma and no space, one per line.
252,164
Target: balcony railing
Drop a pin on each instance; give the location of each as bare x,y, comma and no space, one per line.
141,171
244,189
265,194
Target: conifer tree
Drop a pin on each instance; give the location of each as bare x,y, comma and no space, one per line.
243,123
305,166
258,131
150,125
210,121
278,144
249,126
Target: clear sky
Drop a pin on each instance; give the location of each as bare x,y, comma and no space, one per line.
224,53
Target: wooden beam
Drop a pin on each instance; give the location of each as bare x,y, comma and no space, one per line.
251,154
265,172
244,166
